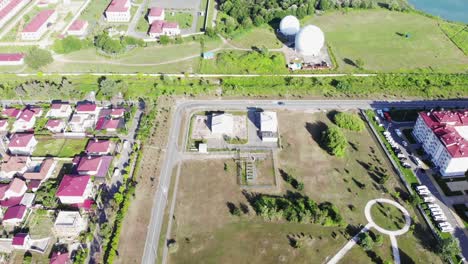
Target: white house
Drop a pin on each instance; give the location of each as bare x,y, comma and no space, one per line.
81,122
444,137
38,25
159,28
60,110
10,8
269,126
11,59
78,28
156,13
222,124
55,125
22,144
25,121
16,188
74,189
118,11
69,224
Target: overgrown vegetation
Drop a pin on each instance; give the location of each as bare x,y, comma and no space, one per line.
116,45
46,194
349,121
335,141
38,58
70,44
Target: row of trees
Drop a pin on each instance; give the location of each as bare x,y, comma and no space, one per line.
299,209
115,45
71,44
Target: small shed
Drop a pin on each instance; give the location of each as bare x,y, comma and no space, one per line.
202,148
208,55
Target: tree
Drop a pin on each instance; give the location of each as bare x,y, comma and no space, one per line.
38,58
394,6
164,40
335,141
324,5
379,240
448,247
210,32
365,241
349,121
109,88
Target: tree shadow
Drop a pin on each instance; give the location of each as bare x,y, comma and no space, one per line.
350,62
372,173
359,184
244,208
331,115
231,207
316,131
404,258
399,34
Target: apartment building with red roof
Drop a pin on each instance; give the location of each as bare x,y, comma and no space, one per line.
118,11
10,9
159,28
14,165
39,25
14,214
11,59
156,13
78,28
444,137
25,121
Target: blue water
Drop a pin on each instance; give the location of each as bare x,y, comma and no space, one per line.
453,10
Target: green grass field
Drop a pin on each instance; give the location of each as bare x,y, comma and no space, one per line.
377,38
458,33
59,147
387,216
184,19
257,37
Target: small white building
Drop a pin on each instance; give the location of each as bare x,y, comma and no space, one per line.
69,224
38,25
11,59
22,144
82,122
118,11
269,126
163,28
55,125
25,122
156,13
78,28
60,110
222,124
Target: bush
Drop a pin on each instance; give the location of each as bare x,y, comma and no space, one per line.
335,141
164,40
69,44
349,121
365,241
38,58
448,247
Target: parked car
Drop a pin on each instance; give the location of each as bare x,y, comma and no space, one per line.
387,117
401,155
431,205
380,112
405,144
398,132
422,187
440,218
406,165
429,199
424,192
447,229
436,211
415,160
444,224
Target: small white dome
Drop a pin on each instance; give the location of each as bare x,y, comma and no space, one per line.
310,40
289,26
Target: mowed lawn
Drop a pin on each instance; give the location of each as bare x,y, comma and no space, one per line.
257,37
59,147
377,38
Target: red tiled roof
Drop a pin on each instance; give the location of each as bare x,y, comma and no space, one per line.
7,9
117,6
443,124
16,185
156,11
78,25
100,146
59,258
11,112
3,122
170,24
19,239
54,123
13,201
58,105
11,56
86,107
117,111
89,163
108,123
14,163
42,173
73,185
34,184
20,140
26,115
3,189
39,20
15,212
159,25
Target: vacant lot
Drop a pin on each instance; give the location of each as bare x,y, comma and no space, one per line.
377,37
257,37
59,147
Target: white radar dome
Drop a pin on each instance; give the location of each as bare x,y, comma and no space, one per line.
289,26
309,41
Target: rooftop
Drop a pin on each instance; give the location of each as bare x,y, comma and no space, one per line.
52,123
86,107
59,258
73,185
19,239
67,218
43,171
11,56
158,26
156,11
11,112
26,115
7,9
20,140
78,25
39,20
118,6
98,146
451,129
14,212
14,163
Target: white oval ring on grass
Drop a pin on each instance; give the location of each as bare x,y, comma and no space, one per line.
368,214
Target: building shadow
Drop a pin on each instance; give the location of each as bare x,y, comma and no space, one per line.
316,131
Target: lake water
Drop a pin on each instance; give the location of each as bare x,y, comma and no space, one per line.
454,10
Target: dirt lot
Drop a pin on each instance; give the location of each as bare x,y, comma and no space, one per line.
133,236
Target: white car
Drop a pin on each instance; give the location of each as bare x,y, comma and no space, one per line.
404,143
433,206
421,187
444,224
424,192
398,132
447,229
386,133
435,212
440,218
429,199
401,155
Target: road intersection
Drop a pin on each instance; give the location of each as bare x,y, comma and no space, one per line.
174,152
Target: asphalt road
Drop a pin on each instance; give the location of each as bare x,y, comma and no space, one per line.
173,152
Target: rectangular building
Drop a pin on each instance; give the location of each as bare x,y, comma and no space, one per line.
118,11
38,25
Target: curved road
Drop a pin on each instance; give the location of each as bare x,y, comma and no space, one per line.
173,152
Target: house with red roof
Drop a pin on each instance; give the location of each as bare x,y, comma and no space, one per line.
10,8
11,112
11,59
74,189
78,28
163,28
25,121
99,147
55,125
21,241
14,165
60,258
22,144
110,124
3,125
41,172
94,165
60,110
112,112
118,11
156,13
444,137
16,188
14,215
39,25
